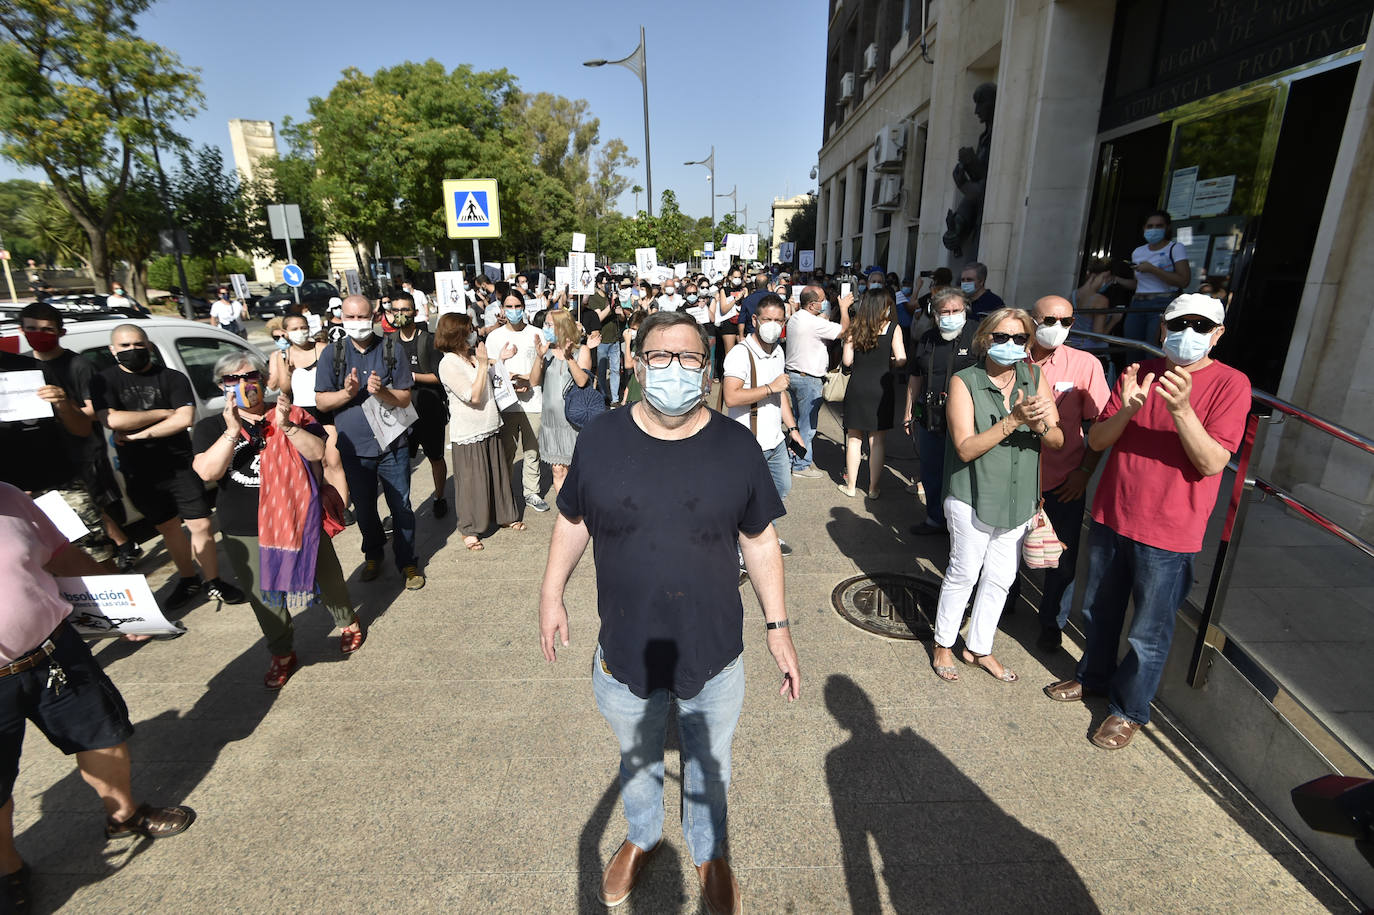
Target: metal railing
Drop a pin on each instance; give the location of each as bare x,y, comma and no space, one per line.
1209,634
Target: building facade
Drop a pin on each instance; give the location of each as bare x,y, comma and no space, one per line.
1036,135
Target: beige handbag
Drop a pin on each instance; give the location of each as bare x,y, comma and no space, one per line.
1042,547
835,385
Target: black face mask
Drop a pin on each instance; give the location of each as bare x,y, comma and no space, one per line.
135,359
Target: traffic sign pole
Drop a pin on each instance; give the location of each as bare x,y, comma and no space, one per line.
295,290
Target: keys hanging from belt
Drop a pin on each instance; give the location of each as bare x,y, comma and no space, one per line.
57,678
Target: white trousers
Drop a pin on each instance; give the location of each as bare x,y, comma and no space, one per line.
976,547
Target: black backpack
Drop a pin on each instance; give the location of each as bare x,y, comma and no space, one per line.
388,356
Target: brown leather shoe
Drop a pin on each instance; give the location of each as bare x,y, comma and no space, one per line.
1115,732
623,872
719,888
1070,691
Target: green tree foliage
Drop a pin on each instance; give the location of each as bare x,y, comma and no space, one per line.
728,225
162,273
133,236
801,227
209,205
671,232
14,195
44,219
82,98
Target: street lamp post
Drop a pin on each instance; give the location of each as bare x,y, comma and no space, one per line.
734,208
710,163
637,65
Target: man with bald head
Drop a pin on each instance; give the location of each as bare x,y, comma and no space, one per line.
149,408
809,330
1080,392
356,369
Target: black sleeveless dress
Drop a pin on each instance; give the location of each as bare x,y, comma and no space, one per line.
870,400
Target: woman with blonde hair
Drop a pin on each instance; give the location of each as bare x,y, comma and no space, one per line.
1000,413
569,363
481,474
872,349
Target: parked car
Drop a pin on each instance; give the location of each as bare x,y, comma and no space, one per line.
190,347
314,293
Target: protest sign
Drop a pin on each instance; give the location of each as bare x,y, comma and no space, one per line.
240,284
562,278
582,266
492,270
448,290
787,251
353,282
646,259
114,605
749,247
501,390
806,260
388,423
19,398
579,243
680,270
508,271
62,515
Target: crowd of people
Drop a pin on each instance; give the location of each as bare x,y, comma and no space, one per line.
685,374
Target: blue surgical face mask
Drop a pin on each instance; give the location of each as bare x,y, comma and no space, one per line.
906,290
1154,236
674,390
515,315
825,307
550,335
860,287
968,286
1187,346
1007,353
691,297
951,324
283,344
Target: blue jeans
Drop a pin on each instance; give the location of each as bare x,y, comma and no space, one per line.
393,470
806,406
1157,580
1144,326
932,453
780,466
1057,599
706,723
608,369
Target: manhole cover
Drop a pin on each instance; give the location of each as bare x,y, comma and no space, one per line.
896,606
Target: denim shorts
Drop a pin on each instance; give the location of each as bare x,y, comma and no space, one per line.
86,713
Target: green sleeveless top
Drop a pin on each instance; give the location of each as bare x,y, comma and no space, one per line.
1003,485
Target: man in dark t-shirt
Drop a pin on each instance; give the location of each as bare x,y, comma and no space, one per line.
663,540
427,394
150,407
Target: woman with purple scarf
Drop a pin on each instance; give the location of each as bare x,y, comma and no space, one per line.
270,509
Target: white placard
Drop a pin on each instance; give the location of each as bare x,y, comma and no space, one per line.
1223,255
19,398
749,247
501,390
562,278
646,259
114,605
240,284
1195,249
734,244
709,249
787,251
1212,196
680,271
388,423
582,266
1181,187
662,274
508,271
448,290
353,282
806,260
62,515
579,242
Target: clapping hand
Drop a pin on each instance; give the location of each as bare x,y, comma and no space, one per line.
351,383
508,351
1176,386
594,339
1134,392
284,410
232,425
374,383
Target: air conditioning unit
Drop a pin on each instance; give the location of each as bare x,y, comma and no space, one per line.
888,193
889,148
870,60
846,88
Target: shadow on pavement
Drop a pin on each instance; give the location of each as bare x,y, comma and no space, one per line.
942,828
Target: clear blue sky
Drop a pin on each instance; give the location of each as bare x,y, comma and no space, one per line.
746,75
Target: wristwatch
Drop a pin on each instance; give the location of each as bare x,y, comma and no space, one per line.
780,624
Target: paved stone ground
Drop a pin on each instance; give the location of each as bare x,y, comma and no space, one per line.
446,767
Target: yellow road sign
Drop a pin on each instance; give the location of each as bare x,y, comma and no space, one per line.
471,208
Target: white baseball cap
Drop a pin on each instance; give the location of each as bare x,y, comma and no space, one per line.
1195,303
335,302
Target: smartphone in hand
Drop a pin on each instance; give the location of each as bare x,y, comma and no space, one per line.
792,446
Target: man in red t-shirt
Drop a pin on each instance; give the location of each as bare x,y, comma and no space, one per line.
1172,425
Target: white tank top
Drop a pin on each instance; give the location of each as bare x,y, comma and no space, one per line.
303,386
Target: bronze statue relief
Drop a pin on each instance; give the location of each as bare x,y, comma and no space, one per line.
970,177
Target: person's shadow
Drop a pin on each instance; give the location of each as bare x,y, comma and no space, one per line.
945,835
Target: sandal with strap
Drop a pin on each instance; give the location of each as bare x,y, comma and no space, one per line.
514,526
976,660
280,671
1115,732
350,640
473,544
151,823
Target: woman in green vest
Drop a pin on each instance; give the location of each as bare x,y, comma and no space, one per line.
1000,412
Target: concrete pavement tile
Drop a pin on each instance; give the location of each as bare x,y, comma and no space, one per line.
763,835
505,892
794,889
1290,882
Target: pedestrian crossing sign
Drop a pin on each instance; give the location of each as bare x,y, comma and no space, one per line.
471,208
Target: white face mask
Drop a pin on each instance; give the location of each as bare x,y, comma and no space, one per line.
669,290
359,329
1051,337
298,337
770,332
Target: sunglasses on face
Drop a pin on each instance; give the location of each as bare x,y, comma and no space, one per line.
279,336
1201,325
235,379
1000,338
1051,320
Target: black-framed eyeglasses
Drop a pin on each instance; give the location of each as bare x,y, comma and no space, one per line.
1194,322
235,379
1051,320
999,338
662,358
